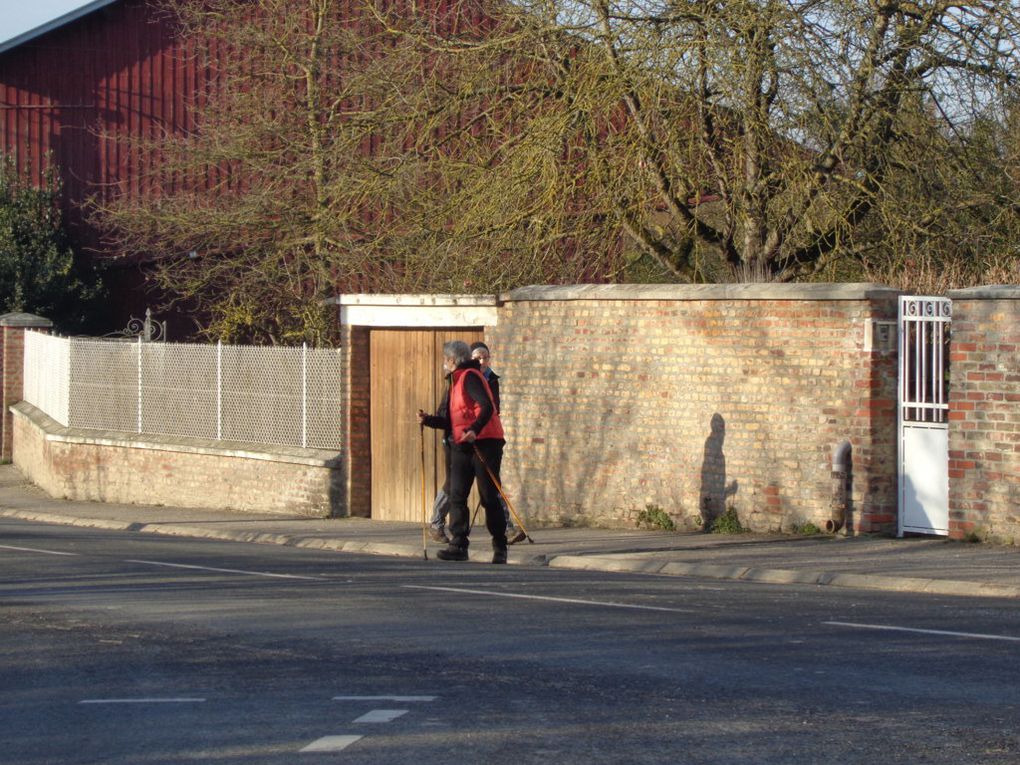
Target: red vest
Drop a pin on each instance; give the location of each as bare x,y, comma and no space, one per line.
464,409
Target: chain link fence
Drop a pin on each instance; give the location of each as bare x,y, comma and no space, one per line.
47,362
254,394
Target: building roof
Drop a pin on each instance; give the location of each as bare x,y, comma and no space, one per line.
28,20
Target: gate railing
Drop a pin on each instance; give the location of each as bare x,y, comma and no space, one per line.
924,358
923,415
254,394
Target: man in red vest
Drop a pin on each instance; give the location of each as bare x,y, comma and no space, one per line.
475,430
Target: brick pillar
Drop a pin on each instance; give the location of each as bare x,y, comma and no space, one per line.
12,358
357,443
984,414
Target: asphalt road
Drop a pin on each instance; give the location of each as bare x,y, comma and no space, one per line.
119,648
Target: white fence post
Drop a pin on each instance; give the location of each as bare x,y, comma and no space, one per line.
139,383
304,395
219,390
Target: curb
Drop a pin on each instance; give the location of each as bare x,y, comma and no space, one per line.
570,562
200,532
787,576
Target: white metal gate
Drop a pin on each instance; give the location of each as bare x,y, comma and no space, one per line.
923,414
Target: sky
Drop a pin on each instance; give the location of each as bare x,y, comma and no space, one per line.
20,16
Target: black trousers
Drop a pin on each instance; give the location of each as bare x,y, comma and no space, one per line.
465,468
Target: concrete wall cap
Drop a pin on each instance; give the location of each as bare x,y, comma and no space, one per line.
413,300
683,292
989,292
24,320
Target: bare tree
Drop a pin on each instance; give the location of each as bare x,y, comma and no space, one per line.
949,214
770,136
257,213
400,147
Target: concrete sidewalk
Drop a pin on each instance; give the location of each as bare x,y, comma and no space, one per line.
928,565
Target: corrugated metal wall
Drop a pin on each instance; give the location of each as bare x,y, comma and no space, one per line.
118,70
69,98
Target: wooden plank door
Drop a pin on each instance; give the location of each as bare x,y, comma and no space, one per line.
406,375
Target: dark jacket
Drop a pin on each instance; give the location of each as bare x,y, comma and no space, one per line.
441,419
493,379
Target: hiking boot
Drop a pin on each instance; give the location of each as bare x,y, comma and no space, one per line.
520,536
499,555
439,535
453,553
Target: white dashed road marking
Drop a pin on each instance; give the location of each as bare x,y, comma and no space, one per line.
891,628
381,716
338,743
604,603
330,744
224,570
33,549
178,700
385,698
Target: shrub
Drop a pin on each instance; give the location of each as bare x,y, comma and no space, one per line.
38,273
655,517
728,523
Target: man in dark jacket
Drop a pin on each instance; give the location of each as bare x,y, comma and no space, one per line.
480,352
441,505
476,447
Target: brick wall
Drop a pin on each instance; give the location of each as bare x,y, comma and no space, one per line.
12,362
358,439
12,348
694,399
984,414
113,467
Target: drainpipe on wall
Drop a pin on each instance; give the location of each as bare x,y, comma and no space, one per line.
842,479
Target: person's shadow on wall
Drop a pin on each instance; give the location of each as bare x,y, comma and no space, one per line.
714,490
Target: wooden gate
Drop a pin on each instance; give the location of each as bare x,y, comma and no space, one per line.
406,375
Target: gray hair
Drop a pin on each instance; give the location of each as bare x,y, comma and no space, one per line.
457,350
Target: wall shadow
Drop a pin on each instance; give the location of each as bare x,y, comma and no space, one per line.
714,489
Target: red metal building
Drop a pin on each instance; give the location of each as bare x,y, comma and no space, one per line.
71,85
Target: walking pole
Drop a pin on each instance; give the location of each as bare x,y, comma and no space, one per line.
475,516
424,514
509,504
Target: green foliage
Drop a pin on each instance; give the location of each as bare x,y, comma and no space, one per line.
655,517
953,219
807,529
728,523
38,273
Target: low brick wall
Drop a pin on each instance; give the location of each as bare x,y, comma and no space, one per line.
984,414
696,399
185,472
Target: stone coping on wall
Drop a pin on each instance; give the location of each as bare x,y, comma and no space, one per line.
821,292
990,292
24,320
417,311
412,300
54,431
